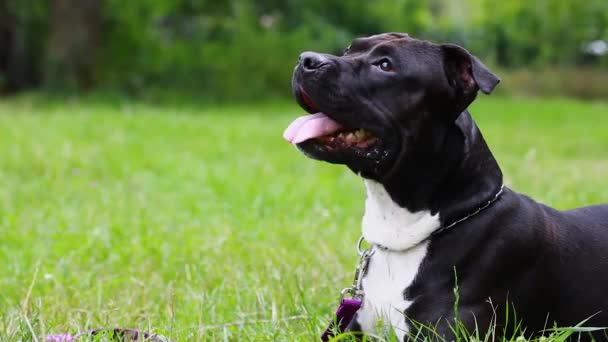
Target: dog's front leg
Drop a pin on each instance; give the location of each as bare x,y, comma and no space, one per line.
362,323
368,322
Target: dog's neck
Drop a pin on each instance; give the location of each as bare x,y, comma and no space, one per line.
432,187
387,224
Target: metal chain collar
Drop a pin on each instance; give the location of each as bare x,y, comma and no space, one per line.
356,289
477,211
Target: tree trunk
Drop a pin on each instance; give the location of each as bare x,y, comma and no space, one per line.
75,27
5,47
13,53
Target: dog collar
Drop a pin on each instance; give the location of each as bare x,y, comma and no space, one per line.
443,228
349,306
471,214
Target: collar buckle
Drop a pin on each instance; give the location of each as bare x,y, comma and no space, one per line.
356,288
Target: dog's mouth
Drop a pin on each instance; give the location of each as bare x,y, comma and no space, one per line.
321,136
324,130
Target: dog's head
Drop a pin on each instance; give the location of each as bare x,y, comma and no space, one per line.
388,96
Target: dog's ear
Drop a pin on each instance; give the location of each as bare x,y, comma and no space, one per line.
465,72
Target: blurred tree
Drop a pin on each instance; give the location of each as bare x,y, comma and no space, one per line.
245,49
21,43
74,37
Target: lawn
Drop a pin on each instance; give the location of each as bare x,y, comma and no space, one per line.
201,223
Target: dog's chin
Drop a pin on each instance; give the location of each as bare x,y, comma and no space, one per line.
371,161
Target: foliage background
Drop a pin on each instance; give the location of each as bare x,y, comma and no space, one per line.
244,50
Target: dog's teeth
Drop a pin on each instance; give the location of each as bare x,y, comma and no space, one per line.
351,137
362,134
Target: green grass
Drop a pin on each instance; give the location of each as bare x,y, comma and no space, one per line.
202,223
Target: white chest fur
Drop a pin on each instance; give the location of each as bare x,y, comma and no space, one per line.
391,272
387,277
387,224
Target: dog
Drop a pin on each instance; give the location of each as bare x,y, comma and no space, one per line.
393,109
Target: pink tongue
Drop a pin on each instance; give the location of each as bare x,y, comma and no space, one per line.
310,126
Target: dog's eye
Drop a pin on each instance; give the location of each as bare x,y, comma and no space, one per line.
385,65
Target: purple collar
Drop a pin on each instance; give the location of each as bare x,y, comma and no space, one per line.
344,315
349,306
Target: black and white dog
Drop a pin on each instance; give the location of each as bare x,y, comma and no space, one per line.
393,110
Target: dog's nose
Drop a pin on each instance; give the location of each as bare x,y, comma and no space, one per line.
311,61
